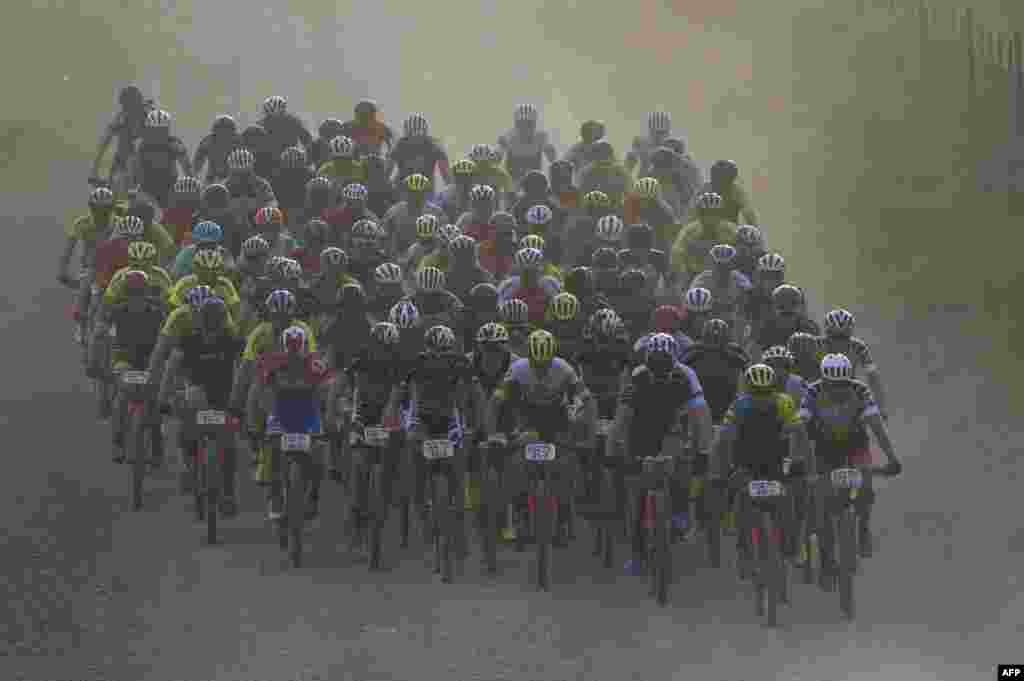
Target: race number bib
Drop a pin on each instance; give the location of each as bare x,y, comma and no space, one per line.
135,377
540,452
847,478
375,435
438,449
210,417
604,426
759,489
296,442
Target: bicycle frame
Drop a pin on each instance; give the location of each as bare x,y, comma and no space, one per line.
212,429
444,467
656,521
371,494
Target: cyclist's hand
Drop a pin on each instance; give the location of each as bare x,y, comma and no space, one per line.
497,440
893,468
166,409
65,280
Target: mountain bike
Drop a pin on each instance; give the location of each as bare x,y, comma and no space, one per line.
213,428
763,521
444,478
371,492
142,430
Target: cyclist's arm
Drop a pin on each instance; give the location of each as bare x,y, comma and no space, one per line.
874,380
101,148
70,242
747,211
877,426
169,375
252,404
199,159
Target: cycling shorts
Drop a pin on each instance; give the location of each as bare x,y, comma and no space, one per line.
294,416
433,424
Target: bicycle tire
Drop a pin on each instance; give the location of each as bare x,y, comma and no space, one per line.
198,486
713,527
296,511
664,544
377,518
768,567
404,511
140,454
490,508
212,491
446,530
847,560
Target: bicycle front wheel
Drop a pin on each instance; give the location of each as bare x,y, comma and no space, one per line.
138,435
295,511
212,491
847,560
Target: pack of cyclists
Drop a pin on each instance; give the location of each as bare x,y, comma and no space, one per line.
329,283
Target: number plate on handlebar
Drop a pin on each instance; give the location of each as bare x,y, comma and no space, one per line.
209,417
604,426
296,442
375,435
847,478
540,451
135,377
438,449
764,488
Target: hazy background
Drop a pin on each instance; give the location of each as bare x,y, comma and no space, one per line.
857,143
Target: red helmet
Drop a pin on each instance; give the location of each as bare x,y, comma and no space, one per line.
294,339
668,319
135,281
269,215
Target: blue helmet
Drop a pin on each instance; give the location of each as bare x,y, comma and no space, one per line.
207,232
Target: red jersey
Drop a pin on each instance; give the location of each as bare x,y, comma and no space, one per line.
178,222
310,261
316,373
481,231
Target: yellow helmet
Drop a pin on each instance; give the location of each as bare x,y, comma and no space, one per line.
647,187
532,241
760,377
542,347
564,307
596,199
208,261
426,227
463,167
142,254
417,183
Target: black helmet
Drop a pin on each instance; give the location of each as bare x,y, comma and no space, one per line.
366,107
130,95
534,183
715,332
591,131
483,296
580,282
561,169
602,150
351,296
605,259
724,173
330,128
216,196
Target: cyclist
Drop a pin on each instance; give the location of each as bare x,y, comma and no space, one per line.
839,338
580,282
750,248
313,242
659,127
126,127
435,303
651,405
490,172
153,231
371,135
206,236
534,191
137,322
581,228
514,315
317,201
212,151
634,302
252,266
248,191
382,193
215,206
608,232
564,321
371,376
786,318
255,139
331,275
689,254
206,359
530,285
497,255
524,145
343,168
605,174
400,221
142,257
564,192
735,200
679,177
112,255
330,128
782,362
769,275
284,128
579,153
440,257
481,308
464,270
805,349
367,253
540,223
455,200
344,328
182,211
209,270
296,382
417,152
549,269
761,429
729,288
640,253
158,156
719,364
605,267
698,303
645,204
478,220
603,360
89,231
838,412
289,183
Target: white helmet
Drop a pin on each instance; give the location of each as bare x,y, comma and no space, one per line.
158,118
416,125
698,300
431,279
526,113
659,122
539,215
609,228
404,314
771,262
836,367
341,147
275,105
